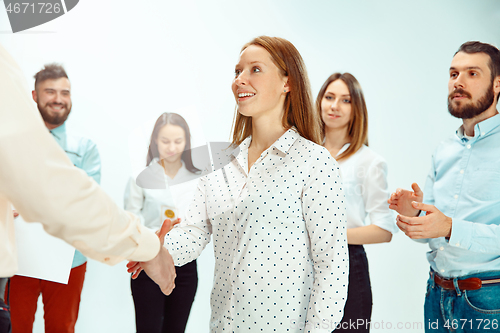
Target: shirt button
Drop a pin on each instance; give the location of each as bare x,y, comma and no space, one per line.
457,244
442,271
461,171
468,146
441,248
456,196
482,133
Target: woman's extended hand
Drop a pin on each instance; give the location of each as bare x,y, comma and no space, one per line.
160,269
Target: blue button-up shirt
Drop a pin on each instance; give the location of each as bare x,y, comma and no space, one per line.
83,154
464,184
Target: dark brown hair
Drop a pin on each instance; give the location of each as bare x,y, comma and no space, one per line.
493,52
50,72
298,110
177,120
357,129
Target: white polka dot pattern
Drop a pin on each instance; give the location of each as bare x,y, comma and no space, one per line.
280,246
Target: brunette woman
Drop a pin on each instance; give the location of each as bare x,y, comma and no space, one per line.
342,107
169,156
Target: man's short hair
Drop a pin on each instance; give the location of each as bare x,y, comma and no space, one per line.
50,72
490,50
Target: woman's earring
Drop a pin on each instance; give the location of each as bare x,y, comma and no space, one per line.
284,90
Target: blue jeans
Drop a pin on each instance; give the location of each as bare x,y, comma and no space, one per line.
5,326
460,311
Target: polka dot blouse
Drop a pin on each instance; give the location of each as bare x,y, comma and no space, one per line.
279,236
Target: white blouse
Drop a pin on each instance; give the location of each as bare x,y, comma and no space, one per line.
364,175
280,246
148,203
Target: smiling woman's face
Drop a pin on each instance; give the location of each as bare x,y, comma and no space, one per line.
258,86
336,106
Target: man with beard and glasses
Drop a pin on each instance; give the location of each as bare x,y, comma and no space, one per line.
52,95
461,200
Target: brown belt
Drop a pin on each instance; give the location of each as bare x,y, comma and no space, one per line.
466,284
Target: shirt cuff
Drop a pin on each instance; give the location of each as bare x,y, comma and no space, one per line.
461,234
148,245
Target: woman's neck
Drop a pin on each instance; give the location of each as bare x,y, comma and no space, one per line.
335,140
171,168
265,132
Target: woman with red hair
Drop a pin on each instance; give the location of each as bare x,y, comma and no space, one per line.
276,211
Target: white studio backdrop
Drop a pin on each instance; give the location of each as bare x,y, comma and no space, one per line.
129,61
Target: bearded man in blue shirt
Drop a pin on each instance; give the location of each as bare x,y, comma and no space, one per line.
52,95
461,199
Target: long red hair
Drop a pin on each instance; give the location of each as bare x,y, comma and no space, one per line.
298,107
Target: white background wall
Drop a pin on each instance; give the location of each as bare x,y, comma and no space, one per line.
129,61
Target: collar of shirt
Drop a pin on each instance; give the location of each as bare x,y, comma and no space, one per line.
183,174
283,145
59,132
481,129
343,149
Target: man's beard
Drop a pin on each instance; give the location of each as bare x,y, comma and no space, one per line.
470,110
56,119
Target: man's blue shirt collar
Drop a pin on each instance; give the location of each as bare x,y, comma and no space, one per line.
481,129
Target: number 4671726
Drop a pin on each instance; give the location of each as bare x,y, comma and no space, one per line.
40,7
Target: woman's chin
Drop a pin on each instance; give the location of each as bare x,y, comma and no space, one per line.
245,111
172,159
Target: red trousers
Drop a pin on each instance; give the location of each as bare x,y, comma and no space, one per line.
61,302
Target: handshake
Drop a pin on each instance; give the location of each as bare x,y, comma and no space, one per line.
161,268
